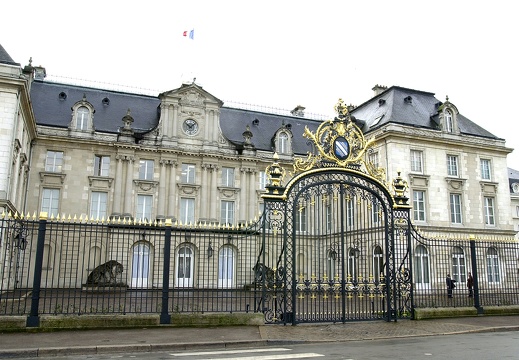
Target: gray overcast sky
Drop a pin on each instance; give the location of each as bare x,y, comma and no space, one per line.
284,53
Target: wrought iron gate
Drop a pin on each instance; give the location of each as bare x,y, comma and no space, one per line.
335,242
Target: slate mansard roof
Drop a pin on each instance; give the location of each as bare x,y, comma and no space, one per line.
5,58
52,103
413,108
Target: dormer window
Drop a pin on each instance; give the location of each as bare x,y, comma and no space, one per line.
283,144
82,118
449,126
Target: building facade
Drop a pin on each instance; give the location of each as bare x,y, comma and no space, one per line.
97,154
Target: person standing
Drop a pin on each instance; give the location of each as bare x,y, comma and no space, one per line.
470,284
450,285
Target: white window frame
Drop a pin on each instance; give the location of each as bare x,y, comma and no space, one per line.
489,210
188,175
419,205
283,145
187,211
416,161
144,207
493,267
82,118
146,169
373,158
50,201
226,266
422,271
227,212
486,172
458,265
452,166
228,176
300,218
449,121
455,209
262,180
350,212
98,205
102,165
378,263
54,161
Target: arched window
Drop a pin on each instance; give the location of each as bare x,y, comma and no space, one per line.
449,125
226,267
331,263
378,263
493,273
283,147
82,118
421,267
185,266
140,265
458,264
352,263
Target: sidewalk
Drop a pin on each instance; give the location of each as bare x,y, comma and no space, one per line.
87,342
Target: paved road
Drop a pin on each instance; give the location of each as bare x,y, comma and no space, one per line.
95,342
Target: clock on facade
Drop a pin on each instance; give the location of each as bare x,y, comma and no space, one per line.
190,127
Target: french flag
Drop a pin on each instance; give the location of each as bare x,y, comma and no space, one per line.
191,34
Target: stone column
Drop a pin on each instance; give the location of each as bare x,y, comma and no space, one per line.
162,189
243,195
174,124
252,194
172,200
205,194
116,208
213,213
128,197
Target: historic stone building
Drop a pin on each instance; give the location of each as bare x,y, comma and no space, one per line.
99,154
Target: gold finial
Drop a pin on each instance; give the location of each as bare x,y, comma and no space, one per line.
400,186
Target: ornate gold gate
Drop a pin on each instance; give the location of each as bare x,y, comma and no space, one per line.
335,241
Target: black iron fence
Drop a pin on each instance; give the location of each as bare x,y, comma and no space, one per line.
76,266
461,272
68,266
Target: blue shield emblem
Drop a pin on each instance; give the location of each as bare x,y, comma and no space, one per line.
341,148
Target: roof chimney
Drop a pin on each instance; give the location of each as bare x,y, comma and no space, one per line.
298,111
378,89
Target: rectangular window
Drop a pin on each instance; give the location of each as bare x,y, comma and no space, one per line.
187,211
101,165
146,170
455,207
301,218
373,158
262,180
489,211
188,174
375,213
227,212
50,201
419,205
329,218
417,161
144,205
350,212
98,205
452,165
228,177
485,170
54,161
517,210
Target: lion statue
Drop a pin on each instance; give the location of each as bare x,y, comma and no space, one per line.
105,274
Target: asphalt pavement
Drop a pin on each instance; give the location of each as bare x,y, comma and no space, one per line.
85,342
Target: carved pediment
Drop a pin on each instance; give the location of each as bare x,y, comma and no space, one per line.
455,184
145,185
100,182
228,192
419,180
52,178
188,189
488,187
